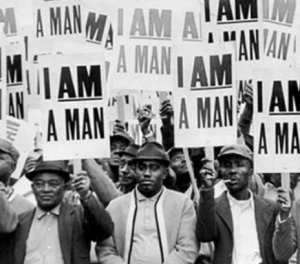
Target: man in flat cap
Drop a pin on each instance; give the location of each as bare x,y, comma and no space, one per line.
152,224
56,231
240,223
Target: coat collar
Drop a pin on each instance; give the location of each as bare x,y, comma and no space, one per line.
223,209
263,213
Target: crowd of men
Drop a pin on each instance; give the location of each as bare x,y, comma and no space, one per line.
140,206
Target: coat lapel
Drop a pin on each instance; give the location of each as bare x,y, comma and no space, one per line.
22,235
223,209
263,217
65,228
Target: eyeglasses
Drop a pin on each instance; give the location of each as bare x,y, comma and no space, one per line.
39,185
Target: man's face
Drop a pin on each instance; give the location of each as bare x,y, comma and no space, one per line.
178,163
48,188
150,176
236,169
6,167
116,146
127,174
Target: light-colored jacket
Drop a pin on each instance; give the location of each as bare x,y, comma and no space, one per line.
176,220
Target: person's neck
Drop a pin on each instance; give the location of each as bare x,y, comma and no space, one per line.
183,182
127,188
241,195
115,172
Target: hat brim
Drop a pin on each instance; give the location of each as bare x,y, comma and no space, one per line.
113,137
65,175
220,157
121,153
163,161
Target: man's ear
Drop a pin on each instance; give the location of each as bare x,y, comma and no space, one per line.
165,172
13,167
251,172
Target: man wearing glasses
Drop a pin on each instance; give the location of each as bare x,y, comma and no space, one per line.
56,231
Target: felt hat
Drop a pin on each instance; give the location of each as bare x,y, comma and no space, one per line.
152,151
8,148
58,166
131,150
121,135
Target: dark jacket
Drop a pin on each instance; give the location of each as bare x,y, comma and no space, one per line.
214,223
77,225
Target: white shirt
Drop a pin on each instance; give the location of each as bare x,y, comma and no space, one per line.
42,245
145,240
245,239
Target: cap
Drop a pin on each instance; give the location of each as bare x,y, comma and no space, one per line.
131,150
121,135
8,148
58,166
152,151
236,149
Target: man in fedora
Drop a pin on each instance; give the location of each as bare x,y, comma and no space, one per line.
239,223
56,231
152,224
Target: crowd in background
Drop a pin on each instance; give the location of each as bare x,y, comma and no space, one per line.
145,205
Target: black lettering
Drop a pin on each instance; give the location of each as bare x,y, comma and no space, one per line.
282,138
51,129
204,112
89,82
277,98
66,85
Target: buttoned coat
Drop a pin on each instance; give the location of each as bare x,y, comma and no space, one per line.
77,227
214,223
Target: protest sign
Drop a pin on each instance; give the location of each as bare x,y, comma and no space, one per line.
2,86
276,115
280,26
75,123
204,96
8,16
16,131
16,80
97,18
239,22
144,31
55,21
134,130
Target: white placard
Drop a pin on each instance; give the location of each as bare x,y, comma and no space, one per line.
276,125
74,106
204,96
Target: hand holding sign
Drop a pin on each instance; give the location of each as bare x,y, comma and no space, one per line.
248,93
283,200
144,117
208,173
166,110
81,184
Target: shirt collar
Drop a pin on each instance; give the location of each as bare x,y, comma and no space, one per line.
141,197
242,203
40,213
